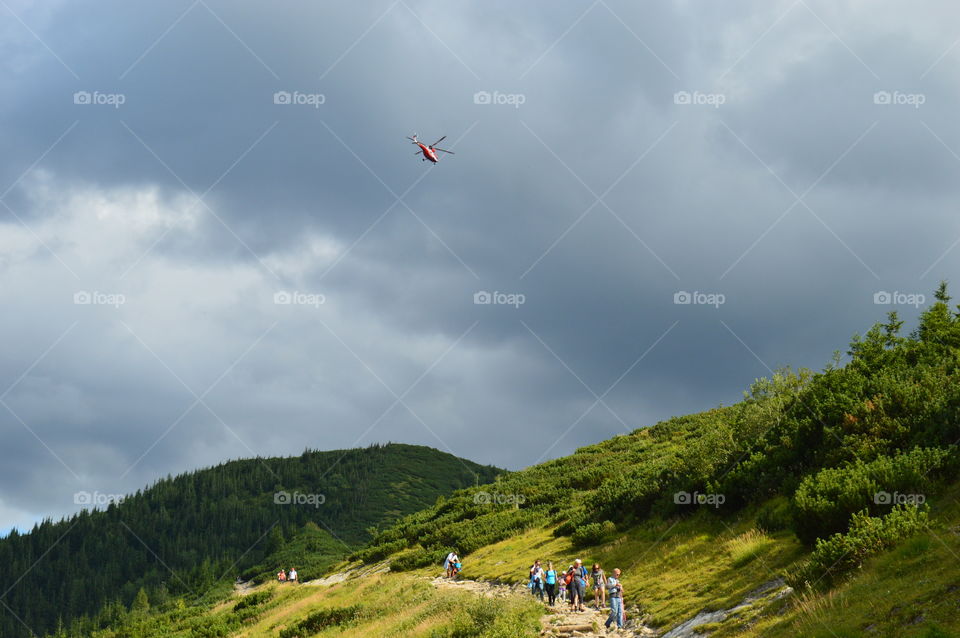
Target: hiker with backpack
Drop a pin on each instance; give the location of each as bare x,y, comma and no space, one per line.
282,575
577,584
550,583
616,600
457,568
292,576
598,578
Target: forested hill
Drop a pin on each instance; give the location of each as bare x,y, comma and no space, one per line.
181,535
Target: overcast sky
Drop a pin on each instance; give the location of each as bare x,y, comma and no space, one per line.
173,173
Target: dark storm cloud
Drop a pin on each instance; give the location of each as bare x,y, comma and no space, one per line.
592,189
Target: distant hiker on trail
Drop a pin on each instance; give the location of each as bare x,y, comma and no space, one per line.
449,564
598,579
292,576
616,600
577,582
550,583
536,579
282,575
457,568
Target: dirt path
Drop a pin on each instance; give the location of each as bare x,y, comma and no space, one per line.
558,621
354,572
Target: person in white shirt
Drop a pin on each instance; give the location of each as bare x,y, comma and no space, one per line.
536,579
449,565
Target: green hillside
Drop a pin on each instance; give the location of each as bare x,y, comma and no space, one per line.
820,505
812,477
185,535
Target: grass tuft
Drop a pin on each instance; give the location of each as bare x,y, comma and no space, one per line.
747,546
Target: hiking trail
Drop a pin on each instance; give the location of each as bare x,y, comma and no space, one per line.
558,621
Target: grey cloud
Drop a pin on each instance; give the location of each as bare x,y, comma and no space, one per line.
303,212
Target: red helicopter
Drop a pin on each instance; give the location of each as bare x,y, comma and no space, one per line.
429,152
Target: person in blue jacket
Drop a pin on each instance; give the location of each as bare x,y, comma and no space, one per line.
550,580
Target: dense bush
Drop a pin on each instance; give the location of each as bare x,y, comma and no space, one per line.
593,533
775,515
416,558
252,600
825,501
375,553
868,535
896,393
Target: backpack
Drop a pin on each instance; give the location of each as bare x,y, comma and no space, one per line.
568,578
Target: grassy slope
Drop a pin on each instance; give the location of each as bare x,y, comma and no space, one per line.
392,605
912,590
673,568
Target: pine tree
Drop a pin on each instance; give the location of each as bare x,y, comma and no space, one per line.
141,604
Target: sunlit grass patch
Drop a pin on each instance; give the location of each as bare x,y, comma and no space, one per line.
747,546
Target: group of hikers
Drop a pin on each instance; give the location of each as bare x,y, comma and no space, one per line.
284,576
571,586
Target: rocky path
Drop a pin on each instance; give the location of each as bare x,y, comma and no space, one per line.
558,621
